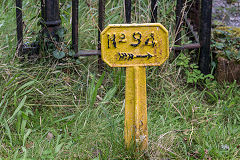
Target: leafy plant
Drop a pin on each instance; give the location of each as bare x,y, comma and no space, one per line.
225,43
54,44
192,72
58,54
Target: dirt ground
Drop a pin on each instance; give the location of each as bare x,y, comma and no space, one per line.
226,14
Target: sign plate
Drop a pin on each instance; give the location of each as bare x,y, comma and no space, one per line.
125,45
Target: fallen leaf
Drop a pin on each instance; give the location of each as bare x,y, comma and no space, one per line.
49,136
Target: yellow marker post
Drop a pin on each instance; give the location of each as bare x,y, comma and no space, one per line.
136,107
135,46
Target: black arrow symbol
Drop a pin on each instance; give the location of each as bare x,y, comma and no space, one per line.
148,56
130,56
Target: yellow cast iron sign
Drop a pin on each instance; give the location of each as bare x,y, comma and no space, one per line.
125,45
135,46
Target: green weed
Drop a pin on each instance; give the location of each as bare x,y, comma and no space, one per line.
67,110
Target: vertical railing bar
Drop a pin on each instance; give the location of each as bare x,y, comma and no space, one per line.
179,19
154,11
128,7
205,36
42,10
51,23
42,20
101,19
75,25
197,10
19,27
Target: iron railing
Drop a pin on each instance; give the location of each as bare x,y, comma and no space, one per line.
198,21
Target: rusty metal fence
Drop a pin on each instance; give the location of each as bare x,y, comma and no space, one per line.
197,16
194,14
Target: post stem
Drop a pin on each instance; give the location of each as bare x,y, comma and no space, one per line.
136,132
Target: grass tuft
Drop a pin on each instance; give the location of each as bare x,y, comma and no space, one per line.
67,110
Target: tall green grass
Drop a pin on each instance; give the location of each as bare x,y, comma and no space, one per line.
68,110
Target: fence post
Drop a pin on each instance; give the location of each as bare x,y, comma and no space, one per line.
128,7
75,25
193,14
101,19
154,11
51,17
179,21
19,27
205,36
